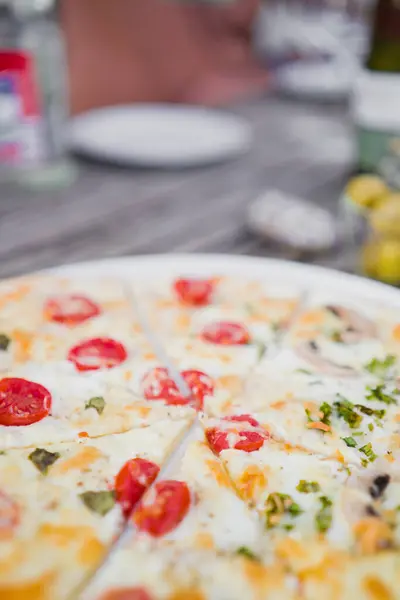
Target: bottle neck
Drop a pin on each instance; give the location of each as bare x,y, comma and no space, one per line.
385,41
387,21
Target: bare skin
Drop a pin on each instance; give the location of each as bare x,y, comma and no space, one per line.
159,51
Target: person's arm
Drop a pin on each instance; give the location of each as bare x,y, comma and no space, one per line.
156,50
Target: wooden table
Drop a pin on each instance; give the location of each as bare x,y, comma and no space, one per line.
300,148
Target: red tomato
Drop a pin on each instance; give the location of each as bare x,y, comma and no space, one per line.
200,385
23,402
217,439
245,419
132,481
159,385
167,511
195,292
250,441
136,593
246,440
97,353
226,333
9,515
71,309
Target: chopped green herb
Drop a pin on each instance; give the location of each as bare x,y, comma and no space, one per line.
294,510
5,341
308,414
3,452
326,410
378,413
368,451
247,553
358,433
349,441
380,367
42,459
323,518
97,402
364,463
288,527
345,410
304,371
308,487
378,393
99,502
371,426
278,505
336,336
365,409
276,327
261,349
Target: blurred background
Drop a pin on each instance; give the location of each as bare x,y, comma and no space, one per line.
268,128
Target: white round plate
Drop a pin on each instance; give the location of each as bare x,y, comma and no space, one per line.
278,271
159,135
322,80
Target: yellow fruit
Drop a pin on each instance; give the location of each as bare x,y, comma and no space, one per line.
387,267
370,260
366,190
385,220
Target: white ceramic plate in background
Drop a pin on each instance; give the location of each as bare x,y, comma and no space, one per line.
159,135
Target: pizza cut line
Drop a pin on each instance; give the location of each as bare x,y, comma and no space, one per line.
289,488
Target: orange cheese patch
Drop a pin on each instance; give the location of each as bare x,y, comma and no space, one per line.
15,295
396,333
312,317
219,473
372,535
86,457
205,541
251,482
40,589
376,589
23,345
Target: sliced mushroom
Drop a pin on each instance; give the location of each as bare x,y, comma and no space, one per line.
310,352
357,327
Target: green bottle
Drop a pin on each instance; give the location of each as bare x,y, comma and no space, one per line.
385,43
376,97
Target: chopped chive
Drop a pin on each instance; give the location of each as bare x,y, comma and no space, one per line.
349,441
307,487
368,451
323,518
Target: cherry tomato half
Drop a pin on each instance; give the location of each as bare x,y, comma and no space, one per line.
71,309
132,481
226,333
167,511
194,292
23,402
97,353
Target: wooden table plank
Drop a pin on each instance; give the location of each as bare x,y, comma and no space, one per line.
110,211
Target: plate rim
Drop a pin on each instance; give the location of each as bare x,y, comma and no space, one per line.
301,275
242,124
